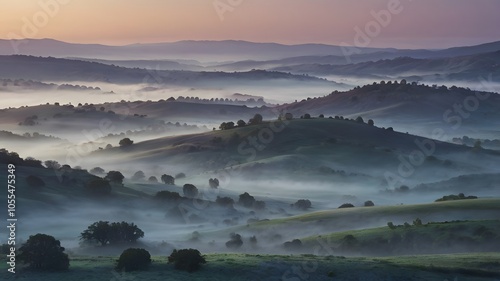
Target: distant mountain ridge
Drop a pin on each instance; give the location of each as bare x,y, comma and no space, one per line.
212,50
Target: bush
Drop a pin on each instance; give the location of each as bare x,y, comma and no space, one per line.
133,260
190,190
453,197
115,177
44,252
346,205
189,260
168,179
235,242
302,204
98,186
35,181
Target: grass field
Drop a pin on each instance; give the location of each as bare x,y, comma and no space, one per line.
236,267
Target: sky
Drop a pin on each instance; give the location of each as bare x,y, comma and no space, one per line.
401,23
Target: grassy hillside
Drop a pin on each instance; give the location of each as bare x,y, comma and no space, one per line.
428,238
467,267
350,219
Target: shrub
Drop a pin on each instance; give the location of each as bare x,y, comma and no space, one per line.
346,205
190,190
133,260
453,197
98,186
189,260
35,181
44,252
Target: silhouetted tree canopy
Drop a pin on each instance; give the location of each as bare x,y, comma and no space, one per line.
189,260
43,252
133,260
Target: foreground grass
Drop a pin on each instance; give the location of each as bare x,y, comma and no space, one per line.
273,267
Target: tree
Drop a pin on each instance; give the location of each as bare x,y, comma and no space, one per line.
98,186
168,195
321,116
190,190
52,164
168,179
35,181
152,179
417,222
134,259
44,252
360,120
288,116
106,233
138,176
369,203
115,177
189,260
391,225
307,116
241,123
257,119
346,205
371,122
225,201
226,125
302,204
235,242
213,183
246,200
126,142
293,245
180,176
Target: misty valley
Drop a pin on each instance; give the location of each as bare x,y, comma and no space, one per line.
231,160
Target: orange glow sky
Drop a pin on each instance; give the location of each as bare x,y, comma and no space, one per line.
422,23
